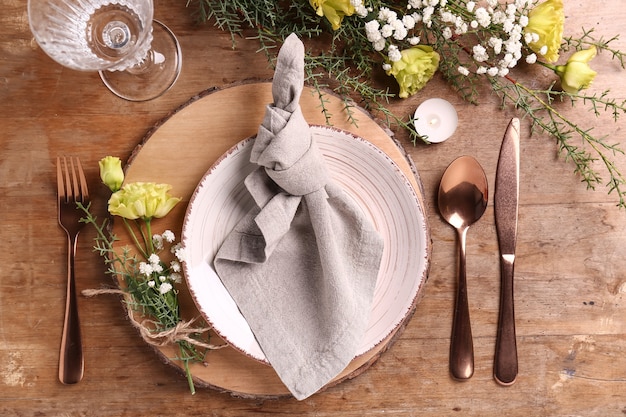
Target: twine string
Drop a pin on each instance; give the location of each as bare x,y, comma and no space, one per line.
182,332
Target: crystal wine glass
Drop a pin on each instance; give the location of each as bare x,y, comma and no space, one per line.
138,58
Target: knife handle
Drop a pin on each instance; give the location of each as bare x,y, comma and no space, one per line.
505,365
461,346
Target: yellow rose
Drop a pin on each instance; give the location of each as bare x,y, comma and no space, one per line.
142,200
576,74
333,10
111,172
546,21
415,68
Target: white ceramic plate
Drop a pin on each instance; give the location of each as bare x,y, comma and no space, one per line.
368,175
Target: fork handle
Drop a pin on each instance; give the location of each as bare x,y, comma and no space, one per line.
71,361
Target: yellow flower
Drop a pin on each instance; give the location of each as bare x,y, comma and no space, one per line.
576,74
333,10
546,21
415,68
111,172
142,200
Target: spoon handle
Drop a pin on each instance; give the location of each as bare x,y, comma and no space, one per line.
505,365
461,347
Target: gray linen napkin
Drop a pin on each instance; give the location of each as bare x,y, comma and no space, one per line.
302,265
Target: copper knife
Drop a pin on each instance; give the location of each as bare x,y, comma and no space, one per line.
506,198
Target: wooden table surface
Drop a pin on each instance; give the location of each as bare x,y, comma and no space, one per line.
570,270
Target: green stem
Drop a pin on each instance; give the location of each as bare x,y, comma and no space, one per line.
148,237
192,387
134,236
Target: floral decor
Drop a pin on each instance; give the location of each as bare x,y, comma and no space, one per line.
469,43
148,272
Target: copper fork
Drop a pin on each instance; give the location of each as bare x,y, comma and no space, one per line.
72,189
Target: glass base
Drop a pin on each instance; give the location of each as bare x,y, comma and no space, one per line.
155,75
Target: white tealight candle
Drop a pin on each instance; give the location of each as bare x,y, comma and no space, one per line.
437,119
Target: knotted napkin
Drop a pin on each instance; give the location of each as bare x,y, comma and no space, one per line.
302,265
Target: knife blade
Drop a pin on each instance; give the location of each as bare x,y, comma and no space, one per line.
506,198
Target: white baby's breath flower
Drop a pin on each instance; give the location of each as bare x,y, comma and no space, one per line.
427,16
145,269
463,71
415,4
511,9
514,48
162,278
372,26
493,71
361,11
531,59
448,17
386,66
386,31
480,53
409,22
379,44
157,241
179,251
394,53
508,25
446,33
151,284
399,31
165,287
175,266
496,44
169,236
154,259
481,70
400,34
176,277
498,17
414,40
372,31
461,28
523,21
483,17
528,37
158,268
387,15
470,6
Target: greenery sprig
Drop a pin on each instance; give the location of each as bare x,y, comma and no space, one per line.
146,274
351,57
162,323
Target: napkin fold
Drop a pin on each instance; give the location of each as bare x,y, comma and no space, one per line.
302,265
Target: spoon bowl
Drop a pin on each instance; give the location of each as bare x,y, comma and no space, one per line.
462,200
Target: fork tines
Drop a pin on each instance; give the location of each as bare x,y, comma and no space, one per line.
72,184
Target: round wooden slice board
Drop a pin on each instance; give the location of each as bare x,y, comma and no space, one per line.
179,151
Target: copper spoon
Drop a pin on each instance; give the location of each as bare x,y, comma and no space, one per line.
462,201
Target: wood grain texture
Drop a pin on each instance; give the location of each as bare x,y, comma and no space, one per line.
570,271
